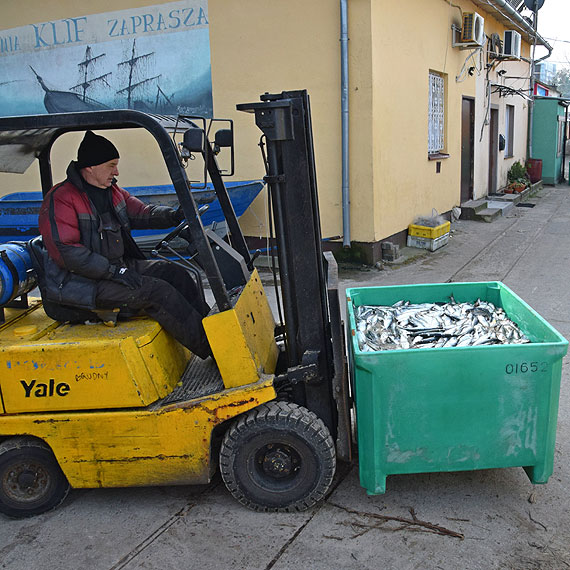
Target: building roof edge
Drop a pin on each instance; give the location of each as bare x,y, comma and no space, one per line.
507,15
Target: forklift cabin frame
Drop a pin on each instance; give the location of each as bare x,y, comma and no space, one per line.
34,136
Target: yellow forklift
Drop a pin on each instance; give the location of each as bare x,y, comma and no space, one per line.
89,405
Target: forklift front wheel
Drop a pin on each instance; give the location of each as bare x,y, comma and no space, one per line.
31,481
278,457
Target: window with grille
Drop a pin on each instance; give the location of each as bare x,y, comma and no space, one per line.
436,116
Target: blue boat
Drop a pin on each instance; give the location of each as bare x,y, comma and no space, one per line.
19,210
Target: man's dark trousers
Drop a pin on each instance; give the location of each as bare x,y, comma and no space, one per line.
167,294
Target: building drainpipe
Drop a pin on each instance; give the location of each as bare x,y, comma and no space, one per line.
564,140
344,121
532,68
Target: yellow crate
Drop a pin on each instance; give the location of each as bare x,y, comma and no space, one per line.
427,232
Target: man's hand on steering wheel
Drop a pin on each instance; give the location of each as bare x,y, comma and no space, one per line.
181,230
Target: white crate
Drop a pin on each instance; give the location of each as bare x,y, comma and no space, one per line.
427,243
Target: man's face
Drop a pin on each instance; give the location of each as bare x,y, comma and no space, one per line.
101,175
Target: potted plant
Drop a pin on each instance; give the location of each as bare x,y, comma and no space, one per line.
517,186
517,178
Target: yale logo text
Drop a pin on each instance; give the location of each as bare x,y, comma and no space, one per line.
41,390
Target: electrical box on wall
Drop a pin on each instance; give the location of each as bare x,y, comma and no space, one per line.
473,30
512,44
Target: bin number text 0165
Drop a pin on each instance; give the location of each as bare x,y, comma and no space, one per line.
522,367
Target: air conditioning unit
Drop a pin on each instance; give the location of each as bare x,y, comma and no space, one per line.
512,44
473,31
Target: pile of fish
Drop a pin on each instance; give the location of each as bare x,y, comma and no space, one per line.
405,325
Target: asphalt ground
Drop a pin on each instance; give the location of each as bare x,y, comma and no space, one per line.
482,519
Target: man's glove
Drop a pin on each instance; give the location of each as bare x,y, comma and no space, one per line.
126,277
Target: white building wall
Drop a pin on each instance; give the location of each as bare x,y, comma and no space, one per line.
516,76
481,159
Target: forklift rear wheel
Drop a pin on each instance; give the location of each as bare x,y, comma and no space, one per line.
278,457
31,481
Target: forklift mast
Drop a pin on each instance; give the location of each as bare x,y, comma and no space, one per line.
313,348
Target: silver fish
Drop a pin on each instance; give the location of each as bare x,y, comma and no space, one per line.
405,325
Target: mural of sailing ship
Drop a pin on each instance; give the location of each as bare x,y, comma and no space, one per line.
88,78
56,101
134,94
138,86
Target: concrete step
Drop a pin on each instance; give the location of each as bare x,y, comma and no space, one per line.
507,198
489,208
488,214
503,205
516,197
471,208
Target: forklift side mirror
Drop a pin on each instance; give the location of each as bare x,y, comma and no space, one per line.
194,140
224,138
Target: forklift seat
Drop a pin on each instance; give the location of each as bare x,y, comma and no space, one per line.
60,312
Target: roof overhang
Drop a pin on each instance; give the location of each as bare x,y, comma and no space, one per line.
506,14
564,101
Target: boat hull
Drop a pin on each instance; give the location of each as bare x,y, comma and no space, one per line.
19,211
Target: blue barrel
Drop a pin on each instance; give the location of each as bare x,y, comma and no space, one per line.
17,276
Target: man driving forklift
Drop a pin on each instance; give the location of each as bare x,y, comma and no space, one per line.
92,260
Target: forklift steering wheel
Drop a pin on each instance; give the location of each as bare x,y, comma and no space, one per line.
172,234
181,226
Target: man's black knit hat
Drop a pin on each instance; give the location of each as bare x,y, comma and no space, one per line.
95,150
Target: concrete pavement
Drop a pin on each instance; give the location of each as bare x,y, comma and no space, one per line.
506,522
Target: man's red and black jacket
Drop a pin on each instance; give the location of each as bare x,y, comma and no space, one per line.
71,232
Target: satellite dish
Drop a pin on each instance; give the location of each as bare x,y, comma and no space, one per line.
534,4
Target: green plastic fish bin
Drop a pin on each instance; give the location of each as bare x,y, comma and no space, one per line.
428,410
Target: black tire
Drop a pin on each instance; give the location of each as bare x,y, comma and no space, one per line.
31,481
278,457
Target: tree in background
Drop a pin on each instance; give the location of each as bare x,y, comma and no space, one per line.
562,81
